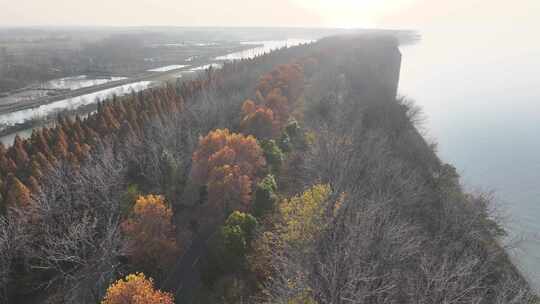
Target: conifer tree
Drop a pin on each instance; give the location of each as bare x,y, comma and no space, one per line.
18,194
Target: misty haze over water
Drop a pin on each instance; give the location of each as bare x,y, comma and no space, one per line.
480,92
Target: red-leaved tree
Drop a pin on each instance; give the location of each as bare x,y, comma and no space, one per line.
227,163
258,121
150,233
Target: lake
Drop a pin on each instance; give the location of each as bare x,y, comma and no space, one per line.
480,92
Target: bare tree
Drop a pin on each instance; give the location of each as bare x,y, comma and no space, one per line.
405,232
13,239
72,227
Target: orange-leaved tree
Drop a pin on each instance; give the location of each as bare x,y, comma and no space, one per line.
18,194
280,106
150,233
136,289
227,163
258,120
229,189
278,92
287,77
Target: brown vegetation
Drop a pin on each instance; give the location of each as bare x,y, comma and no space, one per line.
150,233
228,164
362,210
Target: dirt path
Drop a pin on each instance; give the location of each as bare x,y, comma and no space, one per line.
185,279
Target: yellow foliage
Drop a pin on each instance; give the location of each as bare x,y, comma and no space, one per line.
260,259
154,202
136,289
301,215
302,298
311,137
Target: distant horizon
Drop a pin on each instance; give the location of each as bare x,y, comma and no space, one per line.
310,14
201,27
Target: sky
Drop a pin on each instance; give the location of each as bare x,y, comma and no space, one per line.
296,13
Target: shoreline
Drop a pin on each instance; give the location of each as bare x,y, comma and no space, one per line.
9,132
144,76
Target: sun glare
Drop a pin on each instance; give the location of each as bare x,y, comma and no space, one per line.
352,13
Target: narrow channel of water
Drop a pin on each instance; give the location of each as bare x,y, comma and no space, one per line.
66,83
266,47
77,82
168,68
46,110
11,119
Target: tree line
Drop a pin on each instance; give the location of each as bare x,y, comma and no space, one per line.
75,169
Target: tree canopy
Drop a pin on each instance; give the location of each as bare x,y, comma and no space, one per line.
228,163
151,233
136,289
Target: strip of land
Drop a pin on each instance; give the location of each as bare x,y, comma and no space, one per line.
145,76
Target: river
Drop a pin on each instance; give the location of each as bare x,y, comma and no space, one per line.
480,93
263,47
9,119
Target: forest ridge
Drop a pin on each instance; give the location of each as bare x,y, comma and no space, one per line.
294,177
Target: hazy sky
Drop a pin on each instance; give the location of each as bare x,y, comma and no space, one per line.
326,13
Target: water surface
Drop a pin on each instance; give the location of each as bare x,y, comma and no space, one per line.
48,87
73,103
168,68
77,82
11,119
265,47
480,92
